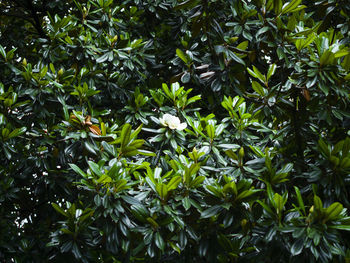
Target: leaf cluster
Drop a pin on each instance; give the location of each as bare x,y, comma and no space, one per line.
90,172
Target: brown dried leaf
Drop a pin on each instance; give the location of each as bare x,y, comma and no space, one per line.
88,120
306,94
95,129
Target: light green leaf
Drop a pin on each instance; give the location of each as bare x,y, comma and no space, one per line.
290,6
125,135
271,71
78,170
181,55
333,211
17,132
174,182
300,199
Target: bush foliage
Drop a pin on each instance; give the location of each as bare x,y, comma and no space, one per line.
174,131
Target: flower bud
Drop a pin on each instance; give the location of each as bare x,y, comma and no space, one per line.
311,209
241,153
60,72
244,222
85,12
24,62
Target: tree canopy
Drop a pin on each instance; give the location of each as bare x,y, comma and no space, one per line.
174,131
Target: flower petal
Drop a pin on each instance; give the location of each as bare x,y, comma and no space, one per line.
176,121
162,121
172,126
167,117
182,126
172,122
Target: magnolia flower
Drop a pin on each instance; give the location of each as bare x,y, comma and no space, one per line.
172,122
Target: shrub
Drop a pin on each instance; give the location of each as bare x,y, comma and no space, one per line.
174,131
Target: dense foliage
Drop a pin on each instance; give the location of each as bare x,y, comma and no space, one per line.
174,131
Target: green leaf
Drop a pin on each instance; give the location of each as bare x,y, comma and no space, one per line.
212,211
136,143
2,52
173,143
270,194
229,146
175,247
345,163
258,88
186,203
95,168
271,71
300,199
162,190
152,222
262,31
252,73
324,148
90,148
241,196
52,68
318,203
185,4
159,241
174,182
212,189
266,208
235,57
104,179
186,77
194,168
181,55
140,212
210,131
121,185
278,202
277,4
145,152
109,148
326,58
136,132
297,247
290,6
340,227
341,53
103,58
259,75
197,181
78,170
125,135
131,200
59,209
333,211
17,132
167,91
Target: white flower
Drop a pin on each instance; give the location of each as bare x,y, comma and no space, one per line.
172,122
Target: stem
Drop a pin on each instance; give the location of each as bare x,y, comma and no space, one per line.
296,126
